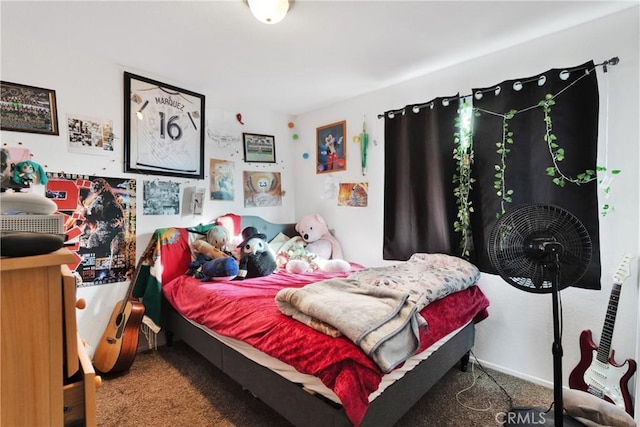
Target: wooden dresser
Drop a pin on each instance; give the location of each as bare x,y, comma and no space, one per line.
46,379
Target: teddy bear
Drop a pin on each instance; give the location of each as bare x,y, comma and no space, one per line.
314,231
314,249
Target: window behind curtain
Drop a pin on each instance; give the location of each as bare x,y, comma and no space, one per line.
420,205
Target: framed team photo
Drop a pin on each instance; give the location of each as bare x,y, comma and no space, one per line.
164,129
259,148
28,109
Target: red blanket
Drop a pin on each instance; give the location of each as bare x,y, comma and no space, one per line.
246,310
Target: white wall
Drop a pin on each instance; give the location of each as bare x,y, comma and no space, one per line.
517,336
87,86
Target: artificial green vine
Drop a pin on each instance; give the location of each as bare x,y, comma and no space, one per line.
499,184
557,152
463,155
605,184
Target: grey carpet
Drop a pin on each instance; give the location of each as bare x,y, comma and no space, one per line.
174,386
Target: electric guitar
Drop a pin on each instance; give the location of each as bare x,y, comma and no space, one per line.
119,344
601,375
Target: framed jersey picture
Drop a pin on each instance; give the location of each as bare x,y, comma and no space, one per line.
163,129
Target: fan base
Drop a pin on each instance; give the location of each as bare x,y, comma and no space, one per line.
534,416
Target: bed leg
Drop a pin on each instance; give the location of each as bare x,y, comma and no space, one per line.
169,337
464,362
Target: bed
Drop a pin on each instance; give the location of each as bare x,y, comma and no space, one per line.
309,377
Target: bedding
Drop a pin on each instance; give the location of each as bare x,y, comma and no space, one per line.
247,311
381,321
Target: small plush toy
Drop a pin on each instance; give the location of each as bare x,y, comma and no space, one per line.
256,258
295,257
314,231
214,243
219,269
29,172
212,259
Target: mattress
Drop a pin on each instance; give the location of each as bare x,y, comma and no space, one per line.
313,384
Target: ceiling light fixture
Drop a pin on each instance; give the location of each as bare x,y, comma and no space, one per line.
269,11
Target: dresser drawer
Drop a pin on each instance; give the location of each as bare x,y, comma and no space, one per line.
74,414
80,392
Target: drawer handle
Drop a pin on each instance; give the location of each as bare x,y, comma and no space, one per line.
81,304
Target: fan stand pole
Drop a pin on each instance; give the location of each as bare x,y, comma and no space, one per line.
556,349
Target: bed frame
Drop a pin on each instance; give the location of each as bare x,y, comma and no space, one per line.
289,399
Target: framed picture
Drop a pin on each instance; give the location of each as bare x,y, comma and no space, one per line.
163,129
259,148
28,109
331,148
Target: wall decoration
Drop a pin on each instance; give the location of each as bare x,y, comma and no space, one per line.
331,149
160,198
99,224
90,135
197,201
222,186
259,148
28,109
262,189
163,129
355,194
11,156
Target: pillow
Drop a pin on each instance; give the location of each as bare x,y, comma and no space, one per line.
29,203
593,411
276,243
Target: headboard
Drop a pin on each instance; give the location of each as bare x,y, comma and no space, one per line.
172,246
266,227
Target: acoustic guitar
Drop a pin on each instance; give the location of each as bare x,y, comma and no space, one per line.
597,372
119,344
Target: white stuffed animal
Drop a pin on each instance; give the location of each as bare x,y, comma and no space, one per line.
298,259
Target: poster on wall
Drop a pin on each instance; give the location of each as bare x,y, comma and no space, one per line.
99,223
221,185
197,201
160,198
262,189
330,148
89,135
354,194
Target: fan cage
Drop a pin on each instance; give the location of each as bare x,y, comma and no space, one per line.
510,241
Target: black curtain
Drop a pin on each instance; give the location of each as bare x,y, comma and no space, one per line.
419,205
573,121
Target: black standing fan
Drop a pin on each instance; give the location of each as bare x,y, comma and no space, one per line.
542,249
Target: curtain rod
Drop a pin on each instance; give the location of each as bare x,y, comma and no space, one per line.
613,61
